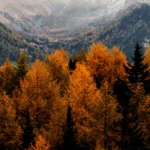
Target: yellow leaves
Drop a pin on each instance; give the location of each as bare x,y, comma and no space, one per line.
82,87
57,64
85,99
57,120
7,73
36,80
106,64
118,62
7,69
147,56
59,57
38,83
99,60
38,93
40,144
10,131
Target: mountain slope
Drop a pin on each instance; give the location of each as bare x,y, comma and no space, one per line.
132,25
56,19
12,43
126,31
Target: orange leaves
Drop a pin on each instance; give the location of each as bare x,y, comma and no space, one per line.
10,131
106,64
38,92
57,64
118,62
40,144
99,60
147,57
85,99
36,80
48,87
7,73
38,83
82,87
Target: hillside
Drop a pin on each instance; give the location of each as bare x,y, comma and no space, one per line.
131,25
57,19
126,31
12,43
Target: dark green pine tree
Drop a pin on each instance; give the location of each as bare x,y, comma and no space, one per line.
21,68
70,132
72,64
138,71
131,136
28,134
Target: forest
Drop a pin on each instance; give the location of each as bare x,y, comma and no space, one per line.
94,100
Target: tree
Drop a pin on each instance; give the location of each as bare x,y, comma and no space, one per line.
70,133
40,144
28,130
99,62
107,115
130,131
87,106
7,73
58,62
80,56
72,64
38,95
138,72
147,56
21,68
144,115
118,61
10,130
39,84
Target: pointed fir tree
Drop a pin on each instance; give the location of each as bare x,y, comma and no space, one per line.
70,132
138,72
22,68
131,136
28,134
72,64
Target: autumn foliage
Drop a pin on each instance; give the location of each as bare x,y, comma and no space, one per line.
36,101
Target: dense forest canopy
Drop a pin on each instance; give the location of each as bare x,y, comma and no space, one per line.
93,101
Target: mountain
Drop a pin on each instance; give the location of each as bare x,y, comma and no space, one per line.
124,28
131,25
12,43
131,2
57,19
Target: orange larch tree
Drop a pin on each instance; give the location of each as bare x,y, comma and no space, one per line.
86,102
99,62
10,130
40,97
57,64
40,144
7,73
118,63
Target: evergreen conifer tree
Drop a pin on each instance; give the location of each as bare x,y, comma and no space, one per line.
28,134
72,64
131,136
22,68
138,72
70,132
